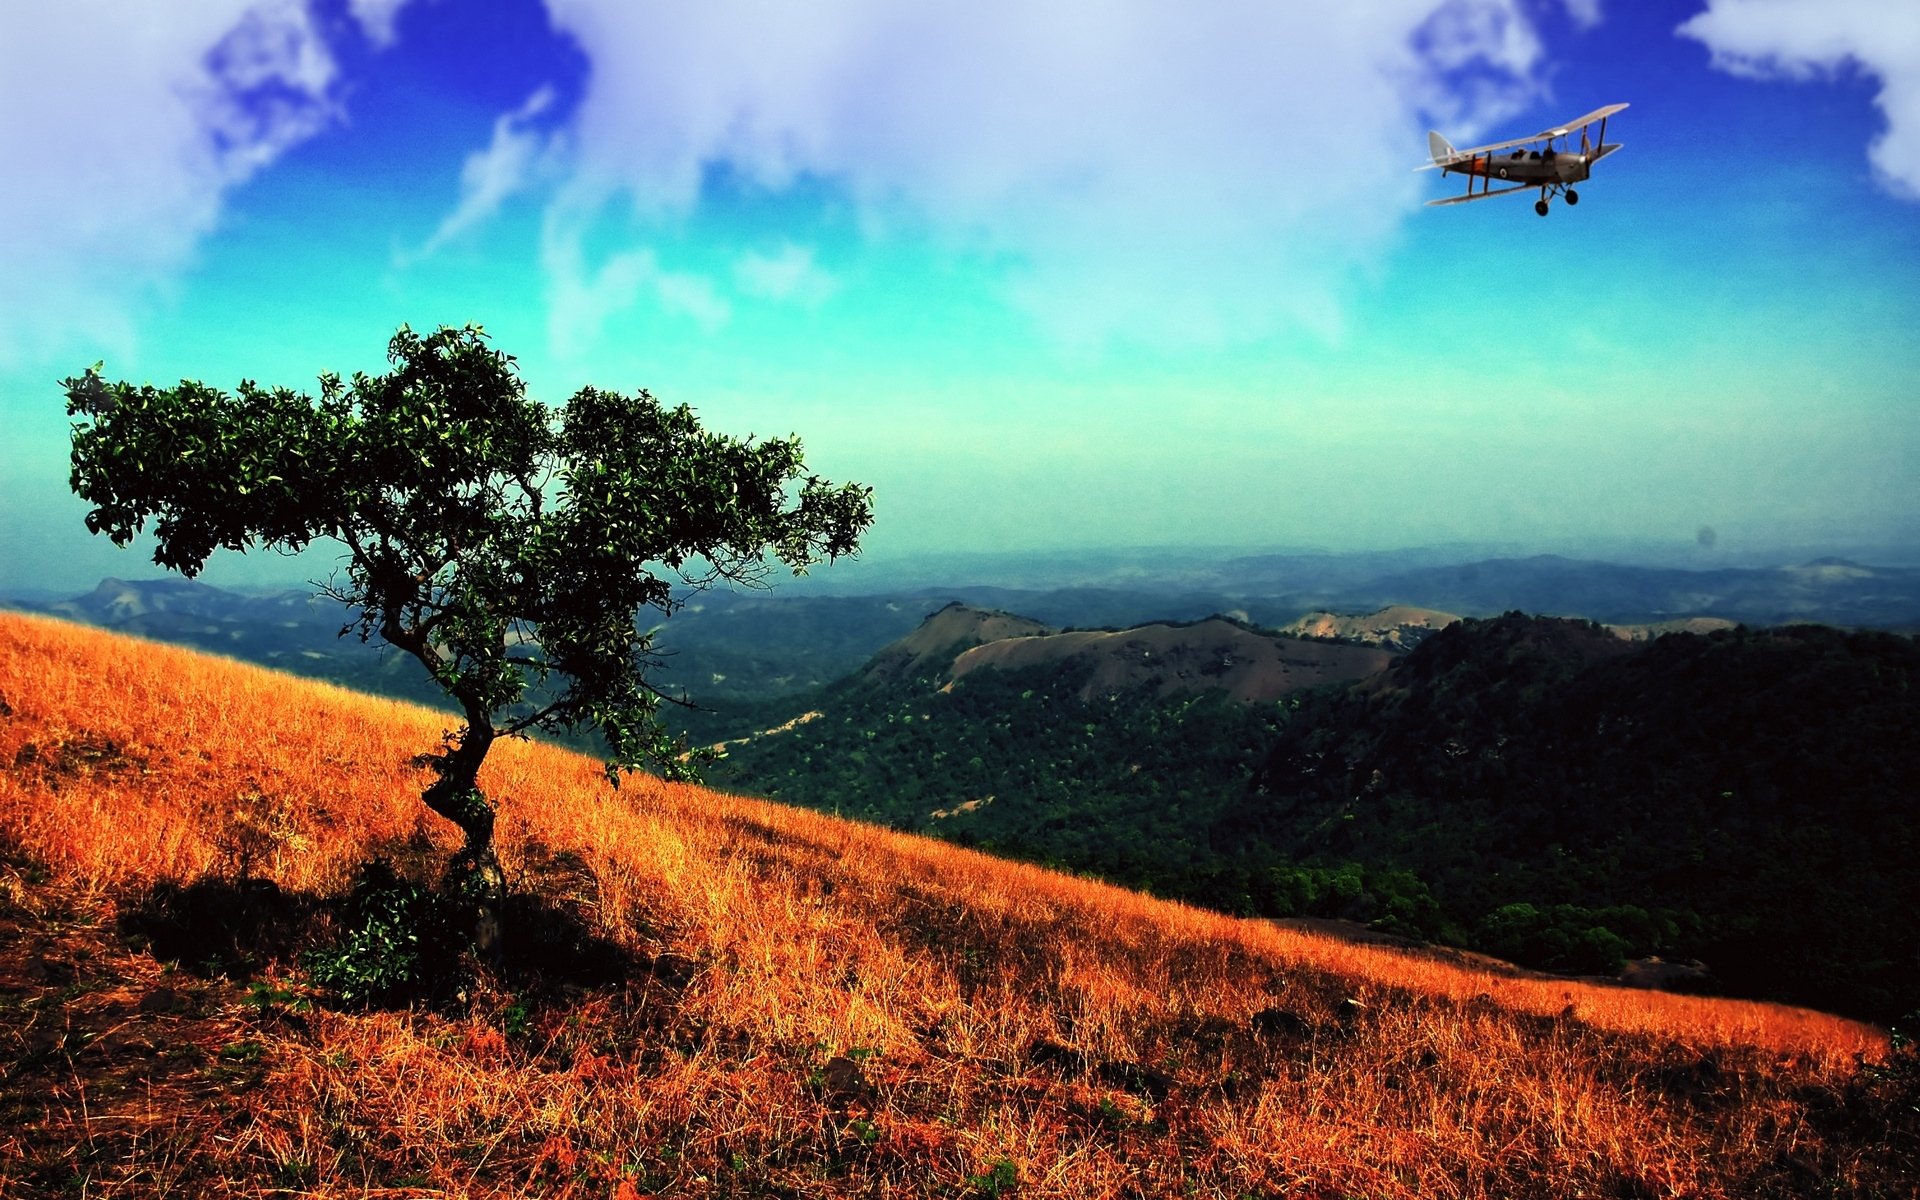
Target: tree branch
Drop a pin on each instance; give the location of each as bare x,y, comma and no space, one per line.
521,724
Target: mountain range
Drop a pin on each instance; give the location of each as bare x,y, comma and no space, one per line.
1552,791
1141,751
728,649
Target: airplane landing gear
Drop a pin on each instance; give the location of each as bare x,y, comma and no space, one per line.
1573,197
1540,206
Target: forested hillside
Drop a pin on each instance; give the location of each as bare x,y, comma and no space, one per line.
1749,798
1107,751
1017,762
1538,789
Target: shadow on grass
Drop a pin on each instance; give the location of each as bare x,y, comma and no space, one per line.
237,928
387,942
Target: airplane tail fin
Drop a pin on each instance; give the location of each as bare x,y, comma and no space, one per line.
1439,147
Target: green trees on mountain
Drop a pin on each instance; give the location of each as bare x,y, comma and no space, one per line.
1125,786
1750,798
1537,789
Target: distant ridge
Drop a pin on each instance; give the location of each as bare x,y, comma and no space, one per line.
1828,591
1395,627
931,649
1168,660
1649,630
116,601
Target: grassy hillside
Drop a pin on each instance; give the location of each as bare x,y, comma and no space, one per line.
761,1001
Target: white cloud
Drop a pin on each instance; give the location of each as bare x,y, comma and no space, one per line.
378,18
692,296
1585,13
581,297
1177,173
490,176
1809,39
790,275
122,125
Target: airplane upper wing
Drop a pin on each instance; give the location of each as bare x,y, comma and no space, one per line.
1598,114
1557,131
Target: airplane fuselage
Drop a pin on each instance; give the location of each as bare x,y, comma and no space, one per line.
1531,166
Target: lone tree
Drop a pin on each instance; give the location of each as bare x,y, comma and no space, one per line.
500,543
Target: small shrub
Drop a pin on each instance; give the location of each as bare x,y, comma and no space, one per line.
515,1018
998,1180
399,943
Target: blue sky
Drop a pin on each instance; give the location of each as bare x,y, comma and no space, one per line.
1045,275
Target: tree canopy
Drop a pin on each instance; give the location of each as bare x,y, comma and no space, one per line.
509,547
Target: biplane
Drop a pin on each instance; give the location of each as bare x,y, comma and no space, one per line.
1526,163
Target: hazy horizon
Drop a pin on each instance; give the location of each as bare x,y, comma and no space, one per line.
1049,286
1150,568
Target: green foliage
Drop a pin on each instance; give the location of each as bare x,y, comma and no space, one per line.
516,1018
1388,900
509,548
1560,937
1001,1178
267,996
398,944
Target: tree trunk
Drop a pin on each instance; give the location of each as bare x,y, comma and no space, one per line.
474,872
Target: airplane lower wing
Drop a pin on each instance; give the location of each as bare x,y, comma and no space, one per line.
1524,187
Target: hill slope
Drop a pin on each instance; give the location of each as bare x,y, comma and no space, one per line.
782,1004
1745,797
1396,627
1103,751
931,648
1560,794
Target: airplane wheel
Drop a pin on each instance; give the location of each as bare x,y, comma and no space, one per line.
1573,197
1540,206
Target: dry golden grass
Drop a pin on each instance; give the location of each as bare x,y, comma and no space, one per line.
1012,1031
